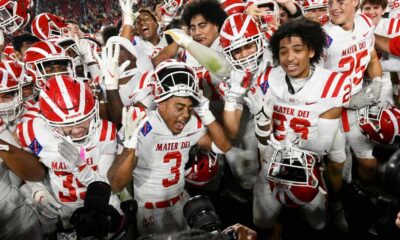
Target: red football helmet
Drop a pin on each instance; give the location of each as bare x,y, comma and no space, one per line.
233,6
203,167
9,53
294,176
10,90
43,55
271,16
66,102
380,124
173,78
46,26
237,31
14,14
170,7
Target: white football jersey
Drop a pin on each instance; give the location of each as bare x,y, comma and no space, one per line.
349,52
388,27
148,48
295,116
68,185
394,8
160,174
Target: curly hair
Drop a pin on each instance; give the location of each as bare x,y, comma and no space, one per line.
310,32
211,10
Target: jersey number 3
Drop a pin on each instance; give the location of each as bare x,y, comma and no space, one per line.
177,157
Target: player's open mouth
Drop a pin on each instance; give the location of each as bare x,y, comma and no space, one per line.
145,29
180,125
291,67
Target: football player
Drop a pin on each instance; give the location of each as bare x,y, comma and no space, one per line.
350,50
72,142
156,147
306,103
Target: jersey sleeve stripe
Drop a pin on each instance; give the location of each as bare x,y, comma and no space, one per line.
31,134
104,129
328,84
21,137
144,76
397,26
391,26
264,76
113,131
198,122
339,85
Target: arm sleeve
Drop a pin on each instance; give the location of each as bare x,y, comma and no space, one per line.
327,129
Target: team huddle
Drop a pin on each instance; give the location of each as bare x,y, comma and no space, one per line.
283,94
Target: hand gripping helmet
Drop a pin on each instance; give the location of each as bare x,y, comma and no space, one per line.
202,167
294,176
66,102
170,7
237,31
9,53
173,78
233,6
14,14
380,124
46,26
10,90
271,15
41,56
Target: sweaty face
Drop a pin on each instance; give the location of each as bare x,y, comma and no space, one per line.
176,112
146,27
294,57
373,11
78,131
203,31
342,12
244,51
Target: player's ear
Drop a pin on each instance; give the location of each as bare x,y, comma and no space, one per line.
356,3
311,53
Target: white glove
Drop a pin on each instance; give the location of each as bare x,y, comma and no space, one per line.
369,95
133,119
233,96
70,152
109,66
275,143
180,37
258,105
84,50
47,204
203,110
127,13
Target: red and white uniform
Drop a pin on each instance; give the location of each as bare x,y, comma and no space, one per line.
298,114
159,176
31,111
295,119
394,8
68,183
148,48
349,53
